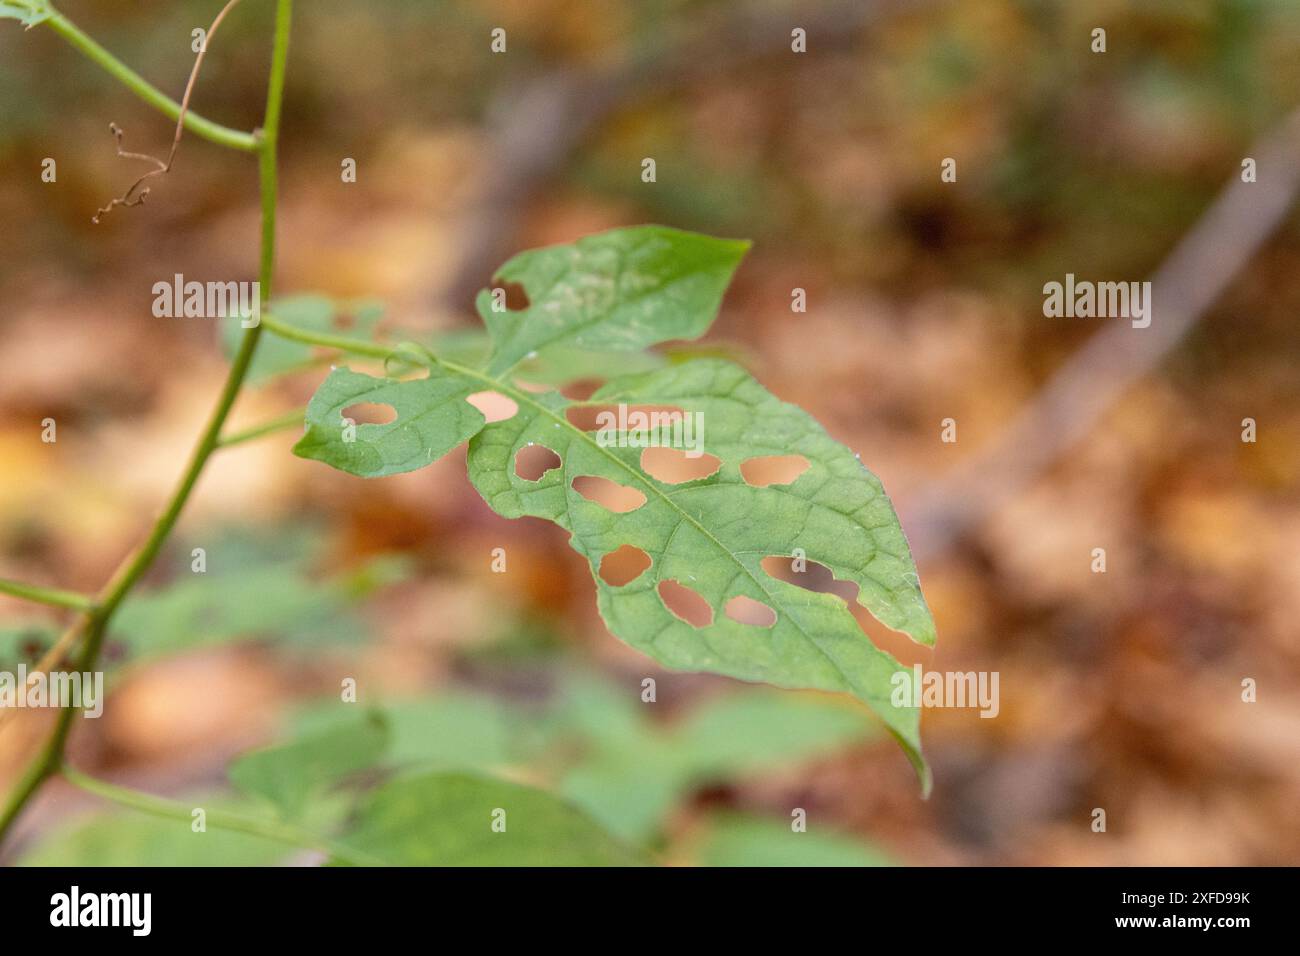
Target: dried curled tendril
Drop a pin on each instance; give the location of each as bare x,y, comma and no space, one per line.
135,195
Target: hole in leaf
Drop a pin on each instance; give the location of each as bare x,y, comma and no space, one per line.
748,611
494,406
589,418
674,466
608,494
685,603
516,296
773,469
814,577
623,565
533,461
535,387
371,413
581,389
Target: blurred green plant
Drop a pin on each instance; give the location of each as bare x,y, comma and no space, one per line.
412,781
255,585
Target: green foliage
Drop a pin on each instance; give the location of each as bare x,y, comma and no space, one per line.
749,841
128,838
446,819
253,587
290,774
453,730
634,771
623,289
627,289
623,772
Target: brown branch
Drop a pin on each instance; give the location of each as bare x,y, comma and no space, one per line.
134,195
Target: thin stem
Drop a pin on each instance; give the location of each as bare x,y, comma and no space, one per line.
54,597
325,339
196,124
47,763
280,423
219,819
270,147
373,350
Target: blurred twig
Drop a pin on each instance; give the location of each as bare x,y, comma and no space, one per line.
1184,287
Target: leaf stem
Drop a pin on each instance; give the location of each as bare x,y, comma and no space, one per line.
278,424
220,819
341,342
54,597
196,124
128,574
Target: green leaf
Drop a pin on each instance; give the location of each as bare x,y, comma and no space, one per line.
253,587
633,798
128,838
623,289
740,733
635,771
27,12
627,289
453,730
290,774
738,841
433,417
712,534
440,819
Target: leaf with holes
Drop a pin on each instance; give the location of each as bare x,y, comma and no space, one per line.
708,536
677,537
433,417
620,290
623,289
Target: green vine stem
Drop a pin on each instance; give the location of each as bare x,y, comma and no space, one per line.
199,126
49,760
218,819
54,597
278,424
